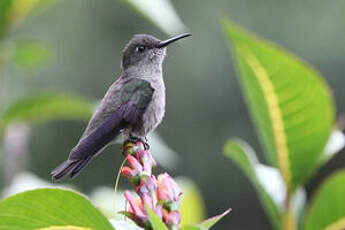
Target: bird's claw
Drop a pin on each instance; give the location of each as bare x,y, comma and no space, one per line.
134,140
146,146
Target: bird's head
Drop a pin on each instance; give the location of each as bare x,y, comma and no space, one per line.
146,51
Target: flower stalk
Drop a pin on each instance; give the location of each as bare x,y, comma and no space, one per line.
161,194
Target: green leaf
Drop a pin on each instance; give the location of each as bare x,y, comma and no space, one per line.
190,227
43,107
20,9
192,207
207,224
245,158
327,207
157,223
31,54
65,227
14,12
50,209
161,13
290,104
5,5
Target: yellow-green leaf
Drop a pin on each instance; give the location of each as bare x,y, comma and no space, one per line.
43,107
290,104
5,6
327,207
20,9
14,12
50,209
68,227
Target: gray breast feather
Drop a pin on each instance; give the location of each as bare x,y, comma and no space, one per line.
155,111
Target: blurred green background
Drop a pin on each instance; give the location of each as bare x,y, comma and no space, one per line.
205,107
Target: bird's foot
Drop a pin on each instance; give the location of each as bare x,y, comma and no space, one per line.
135,140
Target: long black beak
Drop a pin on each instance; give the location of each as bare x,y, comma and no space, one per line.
173,39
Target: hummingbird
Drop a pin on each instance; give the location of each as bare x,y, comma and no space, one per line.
133,106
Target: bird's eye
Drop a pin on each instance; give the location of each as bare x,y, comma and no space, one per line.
140,49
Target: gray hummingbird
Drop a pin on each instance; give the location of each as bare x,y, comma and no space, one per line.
133,106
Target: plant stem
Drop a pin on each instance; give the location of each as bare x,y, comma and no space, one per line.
289,220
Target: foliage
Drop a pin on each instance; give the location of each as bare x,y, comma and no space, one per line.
161,13
192,205
327,209
5,5
156,222
13,12
245,158
31,54
46,106
204,225
293,112
289,102
64,209
50,208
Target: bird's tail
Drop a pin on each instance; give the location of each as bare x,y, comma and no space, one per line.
72,167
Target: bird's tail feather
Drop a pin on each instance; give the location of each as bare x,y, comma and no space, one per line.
80,165
72,167
63,169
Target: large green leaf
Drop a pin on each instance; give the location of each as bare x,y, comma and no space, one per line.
241,153
290,104
44,107
327,208
161,13
50,209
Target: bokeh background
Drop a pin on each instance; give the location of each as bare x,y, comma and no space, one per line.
205,107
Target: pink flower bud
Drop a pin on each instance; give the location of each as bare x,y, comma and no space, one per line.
172,219
136,207
147,160
127,172
147,185
168,190
147,200
134,163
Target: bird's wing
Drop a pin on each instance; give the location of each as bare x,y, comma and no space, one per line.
136,95
109,104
